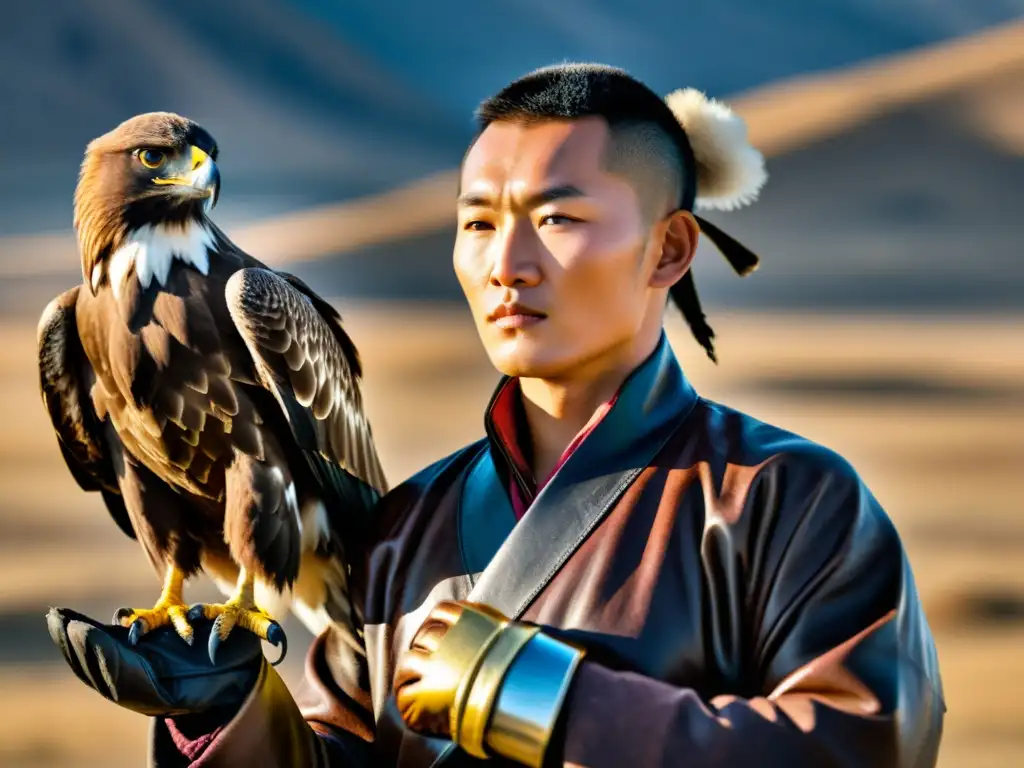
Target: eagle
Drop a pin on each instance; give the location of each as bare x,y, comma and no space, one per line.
213,402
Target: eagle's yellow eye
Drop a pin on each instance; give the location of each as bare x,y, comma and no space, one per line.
152,158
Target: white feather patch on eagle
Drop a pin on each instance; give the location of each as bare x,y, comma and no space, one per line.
97,276
291,497
315,526
152,249
730,172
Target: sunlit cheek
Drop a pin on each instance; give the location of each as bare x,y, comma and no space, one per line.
470,260
569,247
590,253
603,282
472,269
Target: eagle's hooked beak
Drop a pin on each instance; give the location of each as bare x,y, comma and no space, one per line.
200,178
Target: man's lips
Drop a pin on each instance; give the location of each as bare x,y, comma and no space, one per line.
514,316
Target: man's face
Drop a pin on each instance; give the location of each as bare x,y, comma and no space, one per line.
551,249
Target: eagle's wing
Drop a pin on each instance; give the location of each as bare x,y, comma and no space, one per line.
305,358
65,379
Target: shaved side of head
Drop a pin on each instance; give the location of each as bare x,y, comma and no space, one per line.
646,157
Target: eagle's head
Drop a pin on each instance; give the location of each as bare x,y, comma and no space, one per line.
153,176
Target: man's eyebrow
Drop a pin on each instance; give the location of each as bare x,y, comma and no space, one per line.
549,195
473,200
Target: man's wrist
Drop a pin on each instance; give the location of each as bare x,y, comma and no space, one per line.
529,698
485,682
500,685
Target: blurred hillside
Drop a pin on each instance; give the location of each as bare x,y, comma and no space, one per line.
894,185
301,115
318,101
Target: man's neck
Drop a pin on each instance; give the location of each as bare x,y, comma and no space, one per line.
557,410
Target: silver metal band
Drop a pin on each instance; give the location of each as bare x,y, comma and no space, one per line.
530,698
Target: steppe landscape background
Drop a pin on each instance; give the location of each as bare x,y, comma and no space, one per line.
886,321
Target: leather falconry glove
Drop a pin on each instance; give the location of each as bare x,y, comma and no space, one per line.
161,676
493,686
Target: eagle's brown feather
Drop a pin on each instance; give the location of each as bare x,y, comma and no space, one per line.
298,357
65,378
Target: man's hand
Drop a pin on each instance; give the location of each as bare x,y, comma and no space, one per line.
161,675
491,685
431,673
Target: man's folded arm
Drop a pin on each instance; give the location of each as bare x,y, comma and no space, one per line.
842,656
826,713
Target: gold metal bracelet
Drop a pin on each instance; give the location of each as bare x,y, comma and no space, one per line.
484,691
462,650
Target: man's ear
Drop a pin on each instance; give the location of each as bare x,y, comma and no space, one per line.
678,247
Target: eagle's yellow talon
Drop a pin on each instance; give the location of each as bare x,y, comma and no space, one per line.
178,616
142,621
227,616
169,609
240,611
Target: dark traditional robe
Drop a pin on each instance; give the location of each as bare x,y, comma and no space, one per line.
743,597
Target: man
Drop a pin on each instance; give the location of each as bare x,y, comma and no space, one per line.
621,573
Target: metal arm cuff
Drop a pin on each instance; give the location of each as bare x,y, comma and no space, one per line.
530,699
485,685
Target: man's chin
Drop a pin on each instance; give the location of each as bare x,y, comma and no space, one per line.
523,360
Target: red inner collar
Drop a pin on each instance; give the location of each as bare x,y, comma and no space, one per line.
510,429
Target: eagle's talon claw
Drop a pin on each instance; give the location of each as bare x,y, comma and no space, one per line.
121,613
277,637
142,621
239,614
136,631
214,643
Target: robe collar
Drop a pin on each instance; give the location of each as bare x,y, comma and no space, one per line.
507,422
636,408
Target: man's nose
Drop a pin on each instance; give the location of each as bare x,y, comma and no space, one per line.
516,257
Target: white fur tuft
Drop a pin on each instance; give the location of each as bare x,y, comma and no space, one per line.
730,172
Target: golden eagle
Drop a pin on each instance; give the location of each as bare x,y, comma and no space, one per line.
212,401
